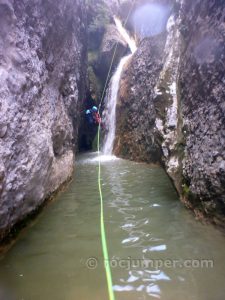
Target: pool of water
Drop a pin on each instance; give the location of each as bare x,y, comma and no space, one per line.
157,249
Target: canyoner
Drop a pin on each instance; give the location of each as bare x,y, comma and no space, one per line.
108,147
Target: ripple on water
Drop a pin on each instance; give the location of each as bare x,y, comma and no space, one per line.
155,248
160,277
142,211
153,290
123,288
131,241
135,224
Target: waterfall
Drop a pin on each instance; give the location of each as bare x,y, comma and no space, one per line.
130,41
110,109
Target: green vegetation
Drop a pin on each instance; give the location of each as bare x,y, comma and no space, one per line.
92,57
186,190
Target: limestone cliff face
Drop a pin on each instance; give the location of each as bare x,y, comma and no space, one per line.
135,109
42,75
111,40
171,105
202,92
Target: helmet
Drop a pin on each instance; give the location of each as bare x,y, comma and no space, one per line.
94,108
87,111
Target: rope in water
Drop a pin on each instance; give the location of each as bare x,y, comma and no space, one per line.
102,222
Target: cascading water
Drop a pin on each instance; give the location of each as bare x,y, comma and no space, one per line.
130,41
110,110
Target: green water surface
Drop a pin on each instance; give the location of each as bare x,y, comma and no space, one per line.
151,237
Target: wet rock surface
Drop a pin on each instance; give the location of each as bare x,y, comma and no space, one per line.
42,76
202,89
135,125
171,105
111,40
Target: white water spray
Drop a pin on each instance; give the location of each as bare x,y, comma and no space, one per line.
110,118
130,41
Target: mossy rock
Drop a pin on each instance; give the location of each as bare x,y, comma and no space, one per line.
92,57
186,190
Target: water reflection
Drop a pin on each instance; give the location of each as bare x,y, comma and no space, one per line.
145,222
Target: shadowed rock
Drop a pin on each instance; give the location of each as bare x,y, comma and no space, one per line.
42,76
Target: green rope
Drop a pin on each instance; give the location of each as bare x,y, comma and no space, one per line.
102,223
103,233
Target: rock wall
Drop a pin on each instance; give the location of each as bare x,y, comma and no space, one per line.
42,83
111,40
202,91
135,108
171,105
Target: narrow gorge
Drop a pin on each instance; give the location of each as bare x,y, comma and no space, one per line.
144,82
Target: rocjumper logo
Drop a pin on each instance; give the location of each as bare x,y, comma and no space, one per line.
130,263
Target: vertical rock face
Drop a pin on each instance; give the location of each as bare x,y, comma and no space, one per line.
111,39
42,75
171,105
135,109
202,90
